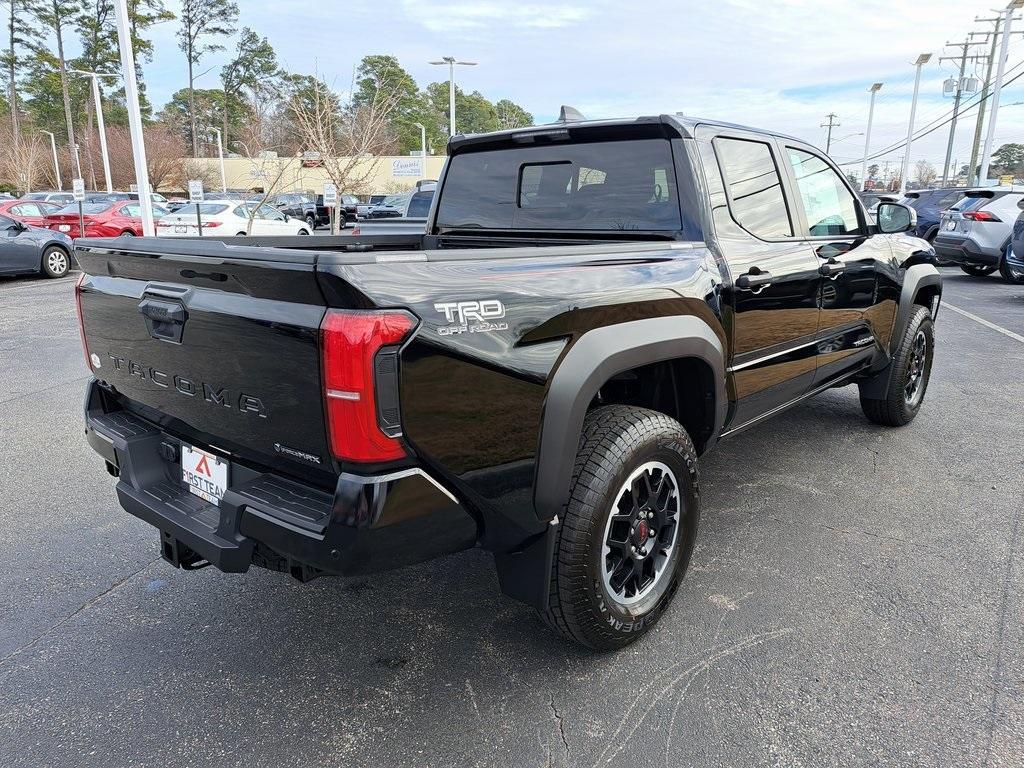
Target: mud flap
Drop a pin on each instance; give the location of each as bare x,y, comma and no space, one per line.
525,574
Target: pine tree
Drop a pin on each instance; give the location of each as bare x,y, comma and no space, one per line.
56,16
254,68
203,22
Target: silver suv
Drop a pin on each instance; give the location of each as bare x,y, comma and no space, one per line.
975,233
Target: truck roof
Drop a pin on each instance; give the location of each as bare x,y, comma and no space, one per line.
677,123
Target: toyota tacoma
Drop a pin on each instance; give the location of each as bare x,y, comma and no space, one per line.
592,306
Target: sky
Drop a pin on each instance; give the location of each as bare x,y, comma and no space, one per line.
776,64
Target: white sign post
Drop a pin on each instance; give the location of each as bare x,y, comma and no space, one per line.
78,193
195,196
331,201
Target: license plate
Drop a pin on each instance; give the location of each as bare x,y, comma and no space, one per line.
205,475
180,230
64,227
950,225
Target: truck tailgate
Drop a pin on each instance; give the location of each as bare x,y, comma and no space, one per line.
221,345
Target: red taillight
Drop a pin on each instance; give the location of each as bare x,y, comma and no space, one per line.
980,216
349,345
81,321
211,224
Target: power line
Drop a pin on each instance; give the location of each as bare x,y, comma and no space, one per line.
932,128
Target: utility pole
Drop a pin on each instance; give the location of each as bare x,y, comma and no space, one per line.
956,98
972,168
830,125
986,153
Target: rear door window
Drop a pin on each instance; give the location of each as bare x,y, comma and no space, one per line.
756,198
594,186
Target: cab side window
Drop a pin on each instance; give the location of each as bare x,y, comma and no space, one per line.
828,203
755,188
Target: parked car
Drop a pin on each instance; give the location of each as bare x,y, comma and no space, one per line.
413,204
929,204
27,250
363,209
297,205
50,197
32,212
871,199
346,212
1012,267
102,218
535,374
975,233
230,217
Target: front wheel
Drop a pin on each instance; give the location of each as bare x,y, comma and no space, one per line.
303,231
976,271
906,378
55,262
311,222
628,530
1011,272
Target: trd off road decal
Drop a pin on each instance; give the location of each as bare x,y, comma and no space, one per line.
471,316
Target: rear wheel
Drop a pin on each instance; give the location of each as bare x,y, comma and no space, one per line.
311,222
127,233
975,271
303,231
1010,273
55,262
628,530
907,375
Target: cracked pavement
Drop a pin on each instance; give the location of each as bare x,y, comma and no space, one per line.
856,597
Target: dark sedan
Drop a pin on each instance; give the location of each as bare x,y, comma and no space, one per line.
27,250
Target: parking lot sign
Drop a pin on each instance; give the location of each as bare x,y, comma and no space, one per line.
78,189
330,195
195,190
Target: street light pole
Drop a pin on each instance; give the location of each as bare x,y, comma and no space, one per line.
867,136
56,165
423,150
923,59
131,97
220,154
99,120
986,155
451,62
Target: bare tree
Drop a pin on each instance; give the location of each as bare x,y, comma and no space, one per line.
23,164
348,142
926,172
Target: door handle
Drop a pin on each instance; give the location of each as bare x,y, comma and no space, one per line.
832,268
754,280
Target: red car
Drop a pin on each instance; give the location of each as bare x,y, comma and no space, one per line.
102,218
31,212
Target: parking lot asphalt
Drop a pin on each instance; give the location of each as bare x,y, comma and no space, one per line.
856,597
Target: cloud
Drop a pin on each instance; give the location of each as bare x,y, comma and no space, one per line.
447,17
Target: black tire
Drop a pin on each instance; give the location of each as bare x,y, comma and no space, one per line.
55,262
311,222
617,442
303,232
931,233
127,233
975,271
342,220
900,404
1010,274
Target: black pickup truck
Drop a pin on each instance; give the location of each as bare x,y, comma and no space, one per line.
593,305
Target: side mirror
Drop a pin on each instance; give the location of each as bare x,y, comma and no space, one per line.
895,217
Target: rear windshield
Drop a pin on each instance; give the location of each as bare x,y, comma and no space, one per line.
598,186
205,209
973,202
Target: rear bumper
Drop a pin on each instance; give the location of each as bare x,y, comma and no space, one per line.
964,252
366,524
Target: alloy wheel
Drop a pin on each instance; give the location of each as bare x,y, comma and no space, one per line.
914,388
641,533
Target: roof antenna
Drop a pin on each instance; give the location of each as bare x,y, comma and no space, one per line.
570,115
